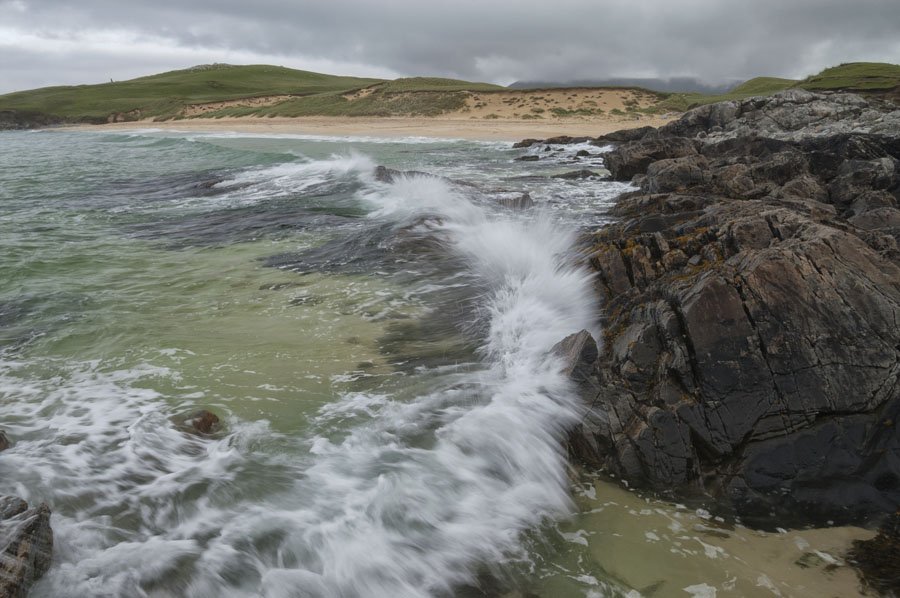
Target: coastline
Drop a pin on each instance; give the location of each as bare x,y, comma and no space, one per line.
448,127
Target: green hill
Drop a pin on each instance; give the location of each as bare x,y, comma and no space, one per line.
288,92
218,90
762,86
858,77
855,76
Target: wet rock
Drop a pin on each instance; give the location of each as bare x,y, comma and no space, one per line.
203,422
526,143
528,158
523,202
4,441
633,158
582,154
26,545
384,174
565,140
751,293
624,135
878,559
573,175
578,353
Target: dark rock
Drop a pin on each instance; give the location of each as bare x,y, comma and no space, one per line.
565,140
878,559
559,140
203,421
633,158
751,294
624,135
526,143
26,542
578,353
4,441
523,202
18,119
384,174
528,158
572,175
582,153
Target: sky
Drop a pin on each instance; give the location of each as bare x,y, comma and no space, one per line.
56,42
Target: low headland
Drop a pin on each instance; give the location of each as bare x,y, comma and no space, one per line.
750,290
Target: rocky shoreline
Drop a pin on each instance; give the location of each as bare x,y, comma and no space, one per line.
751,312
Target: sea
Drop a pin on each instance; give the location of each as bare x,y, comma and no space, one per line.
378,348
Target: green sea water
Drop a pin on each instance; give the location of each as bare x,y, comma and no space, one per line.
377,350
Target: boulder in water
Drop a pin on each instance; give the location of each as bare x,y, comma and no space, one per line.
26,545
523,202
574,175
198,422
4,441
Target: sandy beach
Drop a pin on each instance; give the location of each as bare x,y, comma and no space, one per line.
487,130
507,116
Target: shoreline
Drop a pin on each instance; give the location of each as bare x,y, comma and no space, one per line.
390,127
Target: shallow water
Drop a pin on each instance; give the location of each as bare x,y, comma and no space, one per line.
379,353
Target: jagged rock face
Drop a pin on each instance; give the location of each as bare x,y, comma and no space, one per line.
752,302
790,115
26,544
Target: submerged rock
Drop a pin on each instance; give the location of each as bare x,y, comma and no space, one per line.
204,421
4,441
26,545
528,158
198,422
752,300
522,202
573,175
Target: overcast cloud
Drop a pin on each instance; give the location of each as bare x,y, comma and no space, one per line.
52,42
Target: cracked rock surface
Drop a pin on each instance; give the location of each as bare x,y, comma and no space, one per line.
751,298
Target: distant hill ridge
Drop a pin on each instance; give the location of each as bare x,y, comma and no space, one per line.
217,90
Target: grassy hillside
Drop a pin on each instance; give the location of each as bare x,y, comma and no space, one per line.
857,76
219,90
762,86
166,95
861,77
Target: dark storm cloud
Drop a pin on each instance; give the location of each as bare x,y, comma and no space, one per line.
54,41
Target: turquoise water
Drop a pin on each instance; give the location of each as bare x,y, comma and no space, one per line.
393,422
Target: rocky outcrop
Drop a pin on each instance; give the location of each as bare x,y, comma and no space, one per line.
26,544
17,119
752,310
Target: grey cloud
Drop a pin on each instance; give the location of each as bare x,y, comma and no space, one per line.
499,40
